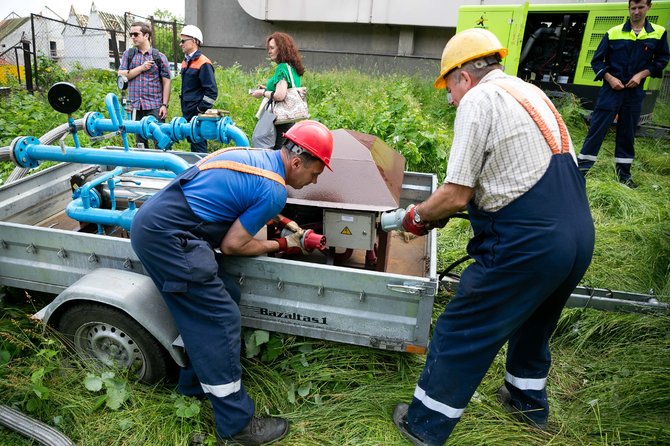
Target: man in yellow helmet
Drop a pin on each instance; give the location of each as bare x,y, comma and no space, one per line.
512,165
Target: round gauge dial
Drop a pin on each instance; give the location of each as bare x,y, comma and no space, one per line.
122,82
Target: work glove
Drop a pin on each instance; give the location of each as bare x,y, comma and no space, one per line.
412,223
289,224
293,243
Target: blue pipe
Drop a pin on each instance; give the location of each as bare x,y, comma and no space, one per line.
28,152
83,192
165,134
237,135
76,210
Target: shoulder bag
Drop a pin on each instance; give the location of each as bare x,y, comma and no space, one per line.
294,106
265,134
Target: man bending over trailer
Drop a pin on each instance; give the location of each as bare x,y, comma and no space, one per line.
221,203
513,166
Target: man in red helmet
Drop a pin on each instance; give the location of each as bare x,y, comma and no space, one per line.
221,202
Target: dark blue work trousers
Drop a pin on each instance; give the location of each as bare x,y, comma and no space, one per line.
626,106
175,247
528,258
199,146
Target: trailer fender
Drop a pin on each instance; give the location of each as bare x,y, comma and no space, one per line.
134,294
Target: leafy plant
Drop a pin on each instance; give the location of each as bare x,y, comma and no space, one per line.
116,389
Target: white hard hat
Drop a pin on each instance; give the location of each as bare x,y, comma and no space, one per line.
192,31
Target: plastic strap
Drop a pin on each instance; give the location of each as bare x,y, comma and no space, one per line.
239,167
224,150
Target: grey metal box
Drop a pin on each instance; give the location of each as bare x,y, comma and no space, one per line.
347,229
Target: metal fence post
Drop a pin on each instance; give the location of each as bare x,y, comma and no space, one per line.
26,65
174,47
115,49
32,27
18,67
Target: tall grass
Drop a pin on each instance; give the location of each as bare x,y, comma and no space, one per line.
609,381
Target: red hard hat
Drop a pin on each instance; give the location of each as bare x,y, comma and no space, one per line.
313,137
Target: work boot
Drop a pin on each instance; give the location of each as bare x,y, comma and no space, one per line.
259,431
400,420
628,182
505,399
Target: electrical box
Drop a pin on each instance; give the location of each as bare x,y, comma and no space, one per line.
345,229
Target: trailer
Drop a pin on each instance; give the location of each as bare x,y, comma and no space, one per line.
65,231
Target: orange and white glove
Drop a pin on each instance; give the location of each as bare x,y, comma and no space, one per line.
287,223
293,243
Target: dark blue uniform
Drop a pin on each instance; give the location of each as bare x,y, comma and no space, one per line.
622,54
528,258
176,247
198,90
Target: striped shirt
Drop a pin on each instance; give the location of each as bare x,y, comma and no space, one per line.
145,92
498,150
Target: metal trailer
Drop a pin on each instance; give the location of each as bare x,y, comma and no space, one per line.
112,311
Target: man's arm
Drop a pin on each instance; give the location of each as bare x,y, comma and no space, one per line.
445,201
162,113
661,57
209,89
238,242
598,61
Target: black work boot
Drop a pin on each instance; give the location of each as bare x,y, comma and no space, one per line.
259,431
628,182
400,420
505,399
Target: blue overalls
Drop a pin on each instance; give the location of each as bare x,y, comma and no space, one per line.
626,106
176,248
528,258
622,53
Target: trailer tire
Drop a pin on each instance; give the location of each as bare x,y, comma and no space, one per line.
113,338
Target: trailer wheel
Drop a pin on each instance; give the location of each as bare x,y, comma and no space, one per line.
113,338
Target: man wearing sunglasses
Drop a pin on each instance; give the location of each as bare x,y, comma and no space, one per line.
198,85
148,74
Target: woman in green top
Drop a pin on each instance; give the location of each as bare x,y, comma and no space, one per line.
284,52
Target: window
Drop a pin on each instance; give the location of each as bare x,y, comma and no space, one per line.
53,51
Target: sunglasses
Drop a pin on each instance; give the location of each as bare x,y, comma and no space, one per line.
135,34
183,41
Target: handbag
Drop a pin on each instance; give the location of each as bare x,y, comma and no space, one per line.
294,106
265,134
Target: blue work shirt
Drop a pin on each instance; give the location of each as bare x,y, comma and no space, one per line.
219,195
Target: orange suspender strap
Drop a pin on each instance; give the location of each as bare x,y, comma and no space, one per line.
220,151
239,167
537,118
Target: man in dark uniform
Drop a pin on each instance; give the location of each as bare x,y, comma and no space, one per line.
513,167
198,85
222,202
627,54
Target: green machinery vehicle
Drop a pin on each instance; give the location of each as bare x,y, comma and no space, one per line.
552,45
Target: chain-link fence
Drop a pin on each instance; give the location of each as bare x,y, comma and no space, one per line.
46,49
664,94
165,37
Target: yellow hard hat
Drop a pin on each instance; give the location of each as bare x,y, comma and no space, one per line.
465,46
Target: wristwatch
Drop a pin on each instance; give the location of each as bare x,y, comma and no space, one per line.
417,217
164,105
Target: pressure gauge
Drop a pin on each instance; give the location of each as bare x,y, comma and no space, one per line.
122,82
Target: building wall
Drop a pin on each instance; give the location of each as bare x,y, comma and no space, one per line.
232,36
